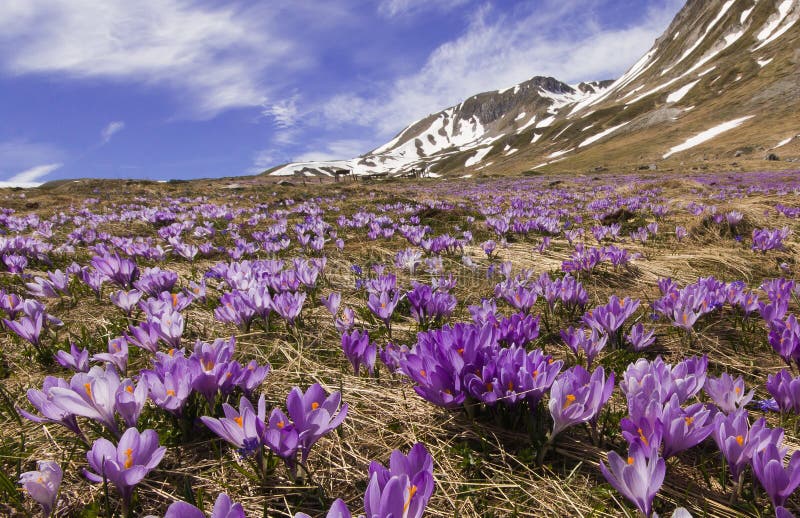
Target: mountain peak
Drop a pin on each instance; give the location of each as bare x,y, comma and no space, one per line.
721,82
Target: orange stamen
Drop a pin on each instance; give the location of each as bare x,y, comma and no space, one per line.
128,458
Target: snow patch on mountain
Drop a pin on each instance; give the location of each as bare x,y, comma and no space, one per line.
545,123
595,138
679,94
706,135
745,15
477,157
559,153
727,5
769,30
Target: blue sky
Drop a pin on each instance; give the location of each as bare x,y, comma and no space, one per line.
165,89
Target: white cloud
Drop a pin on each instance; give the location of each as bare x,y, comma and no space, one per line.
497,51
335,150
112,128
213,56
19,154
30,177
392,8
284,112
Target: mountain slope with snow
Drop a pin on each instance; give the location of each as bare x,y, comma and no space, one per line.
722,82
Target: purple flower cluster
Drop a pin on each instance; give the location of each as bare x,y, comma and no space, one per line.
451,363
312,415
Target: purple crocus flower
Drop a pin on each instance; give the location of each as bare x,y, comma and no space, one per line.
260,300
778,481
402,490
45,402
638,478
415,469
644,424
252,376
117,354
76,359
522,298
91,395
15,263
42,485
728,394
612,316
130,400
688,377
144,336
122,272
170,328
393,357
347,321
153,281
126,300
289,304
314,414
683,428
359,350
737,440
209,366
223,508
382,306
331,302
281,436
239,427
576,396
171,389
640,338
238,308
786,391
338,509
590,341
127,463
28,328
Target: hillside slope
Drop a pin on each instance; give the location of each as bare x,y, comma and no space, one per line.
721,84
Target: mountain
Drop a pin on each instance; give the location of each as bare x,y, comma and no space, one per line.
720,86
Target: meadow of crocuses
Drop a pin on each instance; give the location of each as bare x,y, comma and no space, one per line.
541,346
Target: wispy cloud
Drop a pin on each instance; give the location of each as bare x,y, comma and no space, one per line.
110,129
214,56
392,8
283,112
334,150
17,154
30,177
501,49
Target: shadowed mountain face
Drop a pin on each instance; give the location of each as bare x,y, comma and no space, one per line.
721,84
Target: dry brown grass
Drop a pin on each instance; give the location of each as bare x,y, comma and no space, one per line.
481,468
